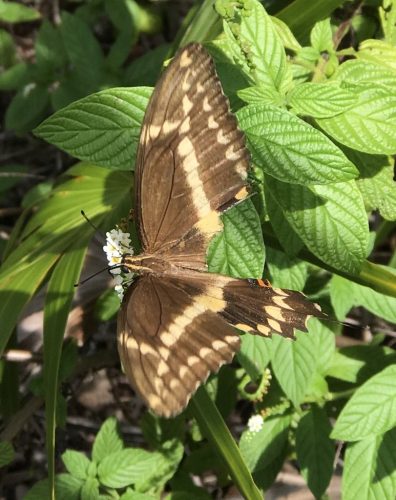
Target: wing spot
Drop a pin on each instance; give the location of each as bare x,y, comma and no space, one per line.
205,352
193,360
274,325
275,312
154,131
241,194
263,329
187,105
212,123
169,126
210,224
280,301
241,169
206,106
212,299
200,88
162,368
243,327
185,60
221,139
185,126
281,292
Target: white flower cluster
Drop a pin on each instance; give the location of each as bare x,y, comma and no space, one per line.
118,244
255,423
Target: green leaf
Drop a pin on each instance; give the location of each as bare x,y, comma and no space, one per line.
27,108
7,453
255,354
315,450
260,94
107,440
145,70
103,128
83,50
342,299
15,77
370,468
376,183
123,468
355,72
285,34
13,12
378,52
375,302
371,410
320,100
331,220
214,428
285,271
90,489
322,36
76,463
130,494
323,342
54,228
107,305
260,449
369,126
239,250
7,49
67,487
58,301
290,150
253,38
50,51
294,364
356,364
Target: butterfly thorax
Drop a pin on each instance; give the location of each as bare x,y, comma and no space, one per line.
148,264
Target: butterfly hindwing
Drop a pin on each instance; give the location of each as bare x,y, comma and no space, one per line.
192,161
169,342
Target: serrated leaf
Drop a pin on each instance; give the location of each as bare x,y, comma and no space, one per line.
289,149
288,238
370,468
103,128
315,450
123,468
323,341
322,37
341,297
263,55
285,34
255,355
378,52
13,12
355,72
260,94
376,183
285,271
239,250
130,494
368,126
90,489
76,463
371,410
294,364
7,453
320,100
330,219
107,440
375,302
27,108
260,449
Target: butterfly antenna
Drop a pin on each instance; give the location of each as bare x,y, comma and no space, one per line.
90,222
107,268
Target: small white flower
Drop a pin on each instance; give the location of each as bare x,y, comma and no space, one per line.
255,423
118,244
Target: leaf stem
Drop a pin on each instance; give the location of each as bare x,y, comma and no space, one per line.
214,428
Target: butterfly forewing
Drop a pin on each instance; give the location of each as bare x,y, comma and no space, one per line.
191,162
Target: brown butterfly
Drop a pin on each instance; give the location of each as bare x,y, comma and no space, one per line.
177,322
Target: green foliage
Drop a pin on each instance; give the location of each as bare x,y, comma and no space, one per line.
321,131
